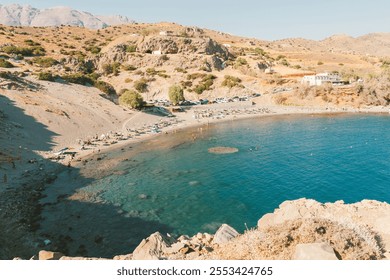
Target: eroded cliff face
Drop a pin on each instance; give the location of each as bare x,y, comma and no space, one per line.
299,229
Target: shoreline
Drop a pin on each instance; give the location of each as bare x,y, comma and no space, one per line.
187,124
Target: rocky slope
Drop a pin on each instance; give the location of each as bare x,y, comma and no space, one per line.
25,15
300,229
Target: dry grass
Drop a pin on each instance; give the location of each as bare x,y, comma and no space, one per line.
349,241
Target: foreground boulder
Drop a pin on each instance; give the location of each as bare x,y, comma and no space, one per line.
224,234
314,251
153,247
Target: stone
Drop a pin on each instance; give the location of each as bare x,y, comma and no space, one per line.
224,234
153,248
208,237
199,236
48,255
183,237
314,251
65,258
175,248
123,257
185,250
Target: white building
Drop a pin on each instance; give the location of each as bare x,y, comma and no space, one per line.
321,78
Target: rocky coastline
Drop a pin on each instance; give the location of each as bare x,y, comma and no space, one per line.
302,229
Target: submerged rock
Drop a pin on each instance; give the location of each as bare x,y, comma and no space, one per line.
223,150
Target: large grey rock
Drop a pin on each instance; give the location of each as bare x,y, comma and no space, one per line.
314,251
153,248
224,234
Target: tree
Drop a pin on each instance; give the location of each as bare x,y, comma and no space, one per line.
131,99
176,94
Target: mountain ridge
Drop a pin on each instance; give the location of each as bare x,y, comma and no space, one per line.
26,15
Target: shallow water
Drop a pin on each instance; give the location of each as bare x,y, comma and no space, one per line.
187,189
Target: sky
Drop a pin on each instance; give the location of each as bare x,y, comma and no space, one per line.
268,20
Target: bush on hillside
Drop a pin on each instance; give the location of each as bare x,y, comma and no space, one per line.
176,94
112,68
45,61
104,87
5,63
46,76
205,84
231,82
131,48
31,51
141,85
78,78
131,99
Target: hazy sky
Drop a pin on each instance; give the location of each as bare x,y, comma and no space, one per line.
273,19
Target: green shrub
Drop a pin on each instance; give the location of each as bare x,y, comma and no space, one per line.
46,76
205,84
112,68
141,85
104,87
90,79
176,94
241,62
180,70
45,61
231,82
129,68
131,48
284,62
78,78
93,49
5,75
279,57
131,99
30,42
195,76
31,51
5,63
320,63
260,51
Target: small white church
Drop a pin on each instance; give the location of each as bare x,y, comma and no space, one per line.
322,78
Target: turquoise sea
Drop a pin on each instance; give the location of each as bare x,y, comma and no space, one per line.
188,189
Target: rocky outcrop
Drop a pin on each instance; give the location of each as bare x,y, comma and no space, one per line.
162,44
369,219
153,248
303,229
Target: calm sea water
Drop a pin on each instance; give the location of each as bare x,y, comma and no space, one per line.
181,188
326,158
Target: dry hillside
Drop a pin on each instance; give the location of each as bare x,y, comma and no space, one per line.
151,57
